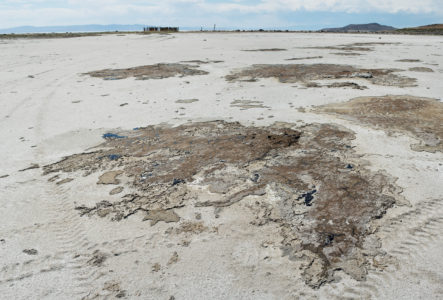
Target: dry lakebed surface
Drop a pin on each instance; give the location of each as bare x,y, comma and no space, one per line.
222,166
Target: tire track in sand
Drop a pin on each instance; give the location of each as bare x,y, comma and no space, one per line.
70,233
63,229
406,238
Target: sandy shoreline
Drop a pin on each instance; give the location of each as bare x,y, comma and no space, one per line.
51,108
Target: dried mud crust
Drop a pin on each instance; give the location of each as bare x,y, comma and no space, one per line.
292,73
420,117
266,50
347,53
421,69
342,84
157,71
306,57
247,104
354,46
307,180
408,60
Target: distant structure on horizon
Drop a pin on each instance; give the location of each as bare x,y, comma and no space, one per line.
160,29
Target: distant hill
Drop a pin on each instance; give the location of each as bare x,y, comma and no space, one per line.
371,27
427,29
73,28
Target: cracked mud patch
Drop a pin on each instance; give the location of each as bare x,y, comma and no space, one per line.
266,50
347,53
346,84
343,48
114,287
30,251
158,215
307,57
186,101
299,178
292,73
408,60
421,69
116,190
157,71
109,177
420,117
98,258
354,46
201,62
248,104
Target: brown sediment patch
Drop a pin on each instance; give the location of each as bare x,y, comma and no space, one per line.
342,48
158,71
353,46
202,62
308,181
408,60
266,50
53,178
173,259
374,44
247,104
347,53
291,73
98,258
302,58
30,251
156,267
191,227
312,84
66,180
114,287
109,177
116,190
31,167
346,84
158,215
186,101
421,69
420,117
352,85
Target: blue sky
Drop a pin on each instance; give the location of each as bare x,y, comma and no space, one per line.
294,14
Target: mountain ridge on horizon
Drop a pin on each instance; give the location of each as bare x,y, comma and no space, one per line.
72,28
369,27
91,28
110,28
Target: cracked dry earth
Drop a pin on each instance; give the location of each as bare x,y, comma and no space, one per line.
307,180
340,198
292,73
157,71
417,116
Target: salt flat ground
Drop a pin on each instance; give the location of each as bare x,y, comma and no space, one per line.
49,109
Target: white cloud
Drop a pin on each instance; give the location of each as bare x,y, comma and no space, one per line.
186,12
350,6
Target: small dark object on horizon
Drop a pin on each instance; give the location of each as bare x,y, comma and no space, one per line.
161,29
